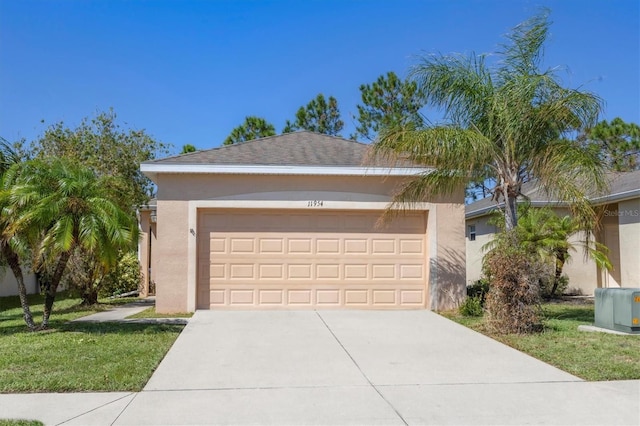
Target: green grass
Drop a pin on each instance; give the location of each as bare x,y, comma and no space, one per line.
72,357
20,422
151,313
590,356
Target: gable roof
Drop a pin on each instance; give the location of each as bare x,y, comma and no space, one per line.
290,153
622,186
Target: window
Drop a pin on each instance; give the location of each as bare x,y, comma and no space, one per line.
472,232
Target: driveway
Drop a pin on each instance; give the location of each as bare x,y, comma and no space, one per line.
362,367
342,367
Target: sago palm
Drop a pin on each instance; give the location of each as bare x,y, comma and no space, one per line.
62,206
505,124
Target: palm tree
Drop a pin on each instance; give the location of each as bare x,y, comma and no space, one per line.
8,158
505,125
63,206
543,233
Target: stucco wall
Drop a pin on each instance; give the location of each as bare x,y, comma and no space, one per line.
447,275
180,195
474,251
171,256
629,221
147,244
9,286
609,236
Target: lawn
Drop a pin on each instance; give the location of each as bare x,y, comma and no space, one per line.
77,356
590,356
151,313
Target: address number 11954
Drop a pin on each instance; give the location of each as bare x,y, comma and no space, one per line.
315,203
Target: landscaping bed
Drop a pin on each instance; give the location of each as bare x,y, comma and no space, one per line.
590,356
77,357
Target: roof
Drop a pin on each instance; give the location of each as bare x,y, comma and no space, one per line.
290,153
298,148
622,186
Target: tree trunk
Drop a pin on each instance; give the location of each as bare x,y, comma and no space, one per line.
510,211
14,263
90,295
561,258
50,295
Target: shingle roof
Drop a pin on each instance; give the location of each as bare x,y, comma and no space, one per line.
621,186
290,149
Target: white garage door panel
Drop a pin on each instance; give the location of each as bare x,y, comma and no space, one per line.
310,259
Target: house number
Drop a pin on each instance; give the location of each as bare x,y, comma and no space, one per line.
315,203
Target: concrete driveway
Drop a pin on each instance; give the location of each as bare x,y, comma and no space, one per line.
354,367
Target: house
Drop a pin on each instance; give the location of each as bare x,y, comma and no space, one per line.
292,222
619,231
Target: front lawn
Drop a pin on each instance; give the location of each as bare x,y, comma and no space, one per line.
151,313
77,357
590,356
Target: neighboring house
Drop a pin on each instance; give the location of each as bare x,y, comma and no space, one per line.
291,221
619,231
9,286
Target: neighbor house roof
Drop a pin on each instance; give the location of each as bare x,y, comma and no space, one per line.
622,186
291,153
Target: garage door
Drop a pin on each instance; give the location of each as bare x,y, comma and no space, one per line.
310,259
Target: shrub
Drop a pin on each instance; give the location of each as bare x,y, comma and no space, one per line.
85,277
512,303
125,277
479,289
471,307
547,287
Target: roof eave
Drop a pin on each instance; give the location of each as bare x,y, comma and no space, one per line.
152,170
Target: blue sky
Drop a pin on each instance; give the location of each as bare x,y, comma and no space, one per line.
190,71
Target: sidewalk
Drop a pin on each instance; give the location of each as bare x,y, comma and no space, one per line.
121,312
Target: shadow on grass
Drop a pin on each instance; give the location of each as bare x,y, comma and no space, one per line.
118,327
570,313
64,326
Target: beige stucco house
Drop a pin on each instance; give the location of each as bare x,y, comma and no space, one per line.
292,222
619,231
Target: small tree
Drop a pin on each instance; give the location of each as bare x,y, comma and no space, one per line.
59,207
252,128
320,116
10,244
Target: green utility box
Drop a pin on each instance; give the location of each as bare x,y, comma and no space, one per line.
618,309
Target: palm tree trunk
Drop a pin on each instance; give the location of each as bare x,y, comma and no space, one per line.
50,295
14,263
510,211
561,258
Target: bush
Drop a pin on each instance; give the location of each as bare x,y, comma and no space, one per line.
125,277
513,301
479,289
471,307
85,277
547,290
